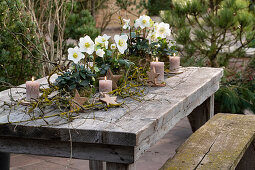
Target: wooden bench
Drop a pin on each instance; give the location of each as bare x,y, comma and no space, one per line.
225,142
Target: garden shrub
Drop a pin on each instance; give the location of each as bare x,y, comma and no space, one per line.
79,23
19,57
154,7
210,33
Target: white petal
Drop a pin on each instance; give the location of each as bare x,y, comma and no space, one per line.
122,49
137,23
70,50
124,37
116,38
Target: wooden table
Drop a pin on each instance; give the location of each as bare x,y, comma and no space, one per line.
118,136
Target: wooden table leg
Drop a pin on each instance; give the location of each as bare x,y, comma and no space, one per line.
118,166
200,115
96,165
4,161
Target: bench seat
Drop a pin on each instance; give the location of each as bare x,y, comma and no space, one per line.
224,142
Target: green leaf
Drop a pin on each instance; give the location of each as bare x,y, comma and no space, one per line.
73,86
84,83
96,69
108,53
83,75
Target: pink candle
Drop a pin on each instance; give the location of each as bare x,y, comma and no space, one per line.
174,62
159,68
32,89
105,85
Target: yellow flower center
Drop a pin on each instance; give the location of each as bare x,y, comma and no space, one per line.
103,39
144,21
162,30
121,42
75,55
87,45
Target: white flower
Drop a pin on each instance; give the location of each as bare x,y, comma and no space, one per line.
100,53
86,45
75,54
163,30
126,24
158,45
152,36
121,42
102,41
170,44
143,22
113,46
155,25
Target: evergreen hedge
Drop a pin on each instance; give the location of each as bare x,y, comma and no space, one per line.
19,58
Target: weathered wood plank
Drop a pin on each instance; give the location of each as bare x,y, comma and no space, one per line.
96,165
118,166
143,114
110,153
18,93
219,144
139,124
159,133
200,115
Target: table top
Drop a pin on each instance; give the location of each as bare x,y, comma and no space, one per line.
137,124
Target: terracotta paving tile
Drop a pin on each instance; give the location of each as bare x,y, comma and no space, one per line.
18,161
184,123
73,163
15,168
46,166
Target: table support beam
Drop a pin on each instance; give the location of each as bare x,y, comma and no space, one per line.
95,165
4,161
200,115
119,166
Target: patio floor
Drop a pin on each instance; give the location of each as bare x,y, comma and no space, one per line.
153,159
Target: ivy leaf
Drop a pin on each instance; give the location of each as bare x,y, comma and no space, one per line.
76,74
109,53
125,62
84,83
83,75
73,86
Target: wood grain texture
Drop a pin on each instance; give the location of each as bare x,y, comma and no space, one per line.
138,124
86,151
219,144
117,166
200,115
95,165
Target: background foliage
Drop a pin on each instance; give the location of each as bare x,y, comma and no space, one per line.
79,23
19,55
213,33
154,7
